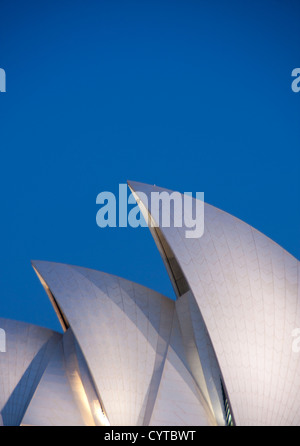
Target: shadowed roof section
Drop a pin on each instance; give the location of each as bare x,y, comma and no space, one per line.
247,289
28,351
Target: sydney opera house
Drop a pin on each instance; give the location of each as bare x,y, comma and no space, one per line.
220,354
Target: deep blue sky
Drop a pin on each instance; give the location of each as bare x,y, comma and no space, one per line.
189,95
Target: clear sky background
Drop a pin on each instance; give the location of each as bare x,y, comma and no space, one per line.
188,95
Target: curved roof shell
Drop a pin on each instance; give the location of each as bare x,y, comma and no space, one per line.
248,293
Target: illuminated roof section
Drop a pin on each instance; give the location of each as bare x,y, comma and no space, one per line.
247,290
125,333
220,354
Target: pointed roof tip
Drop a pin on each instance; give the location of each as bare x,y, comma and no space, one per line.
146,188
139,182
137,186
36,262
135,183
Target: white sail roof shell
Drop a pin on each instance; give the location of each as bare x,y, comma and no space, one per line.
125,333
248,292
